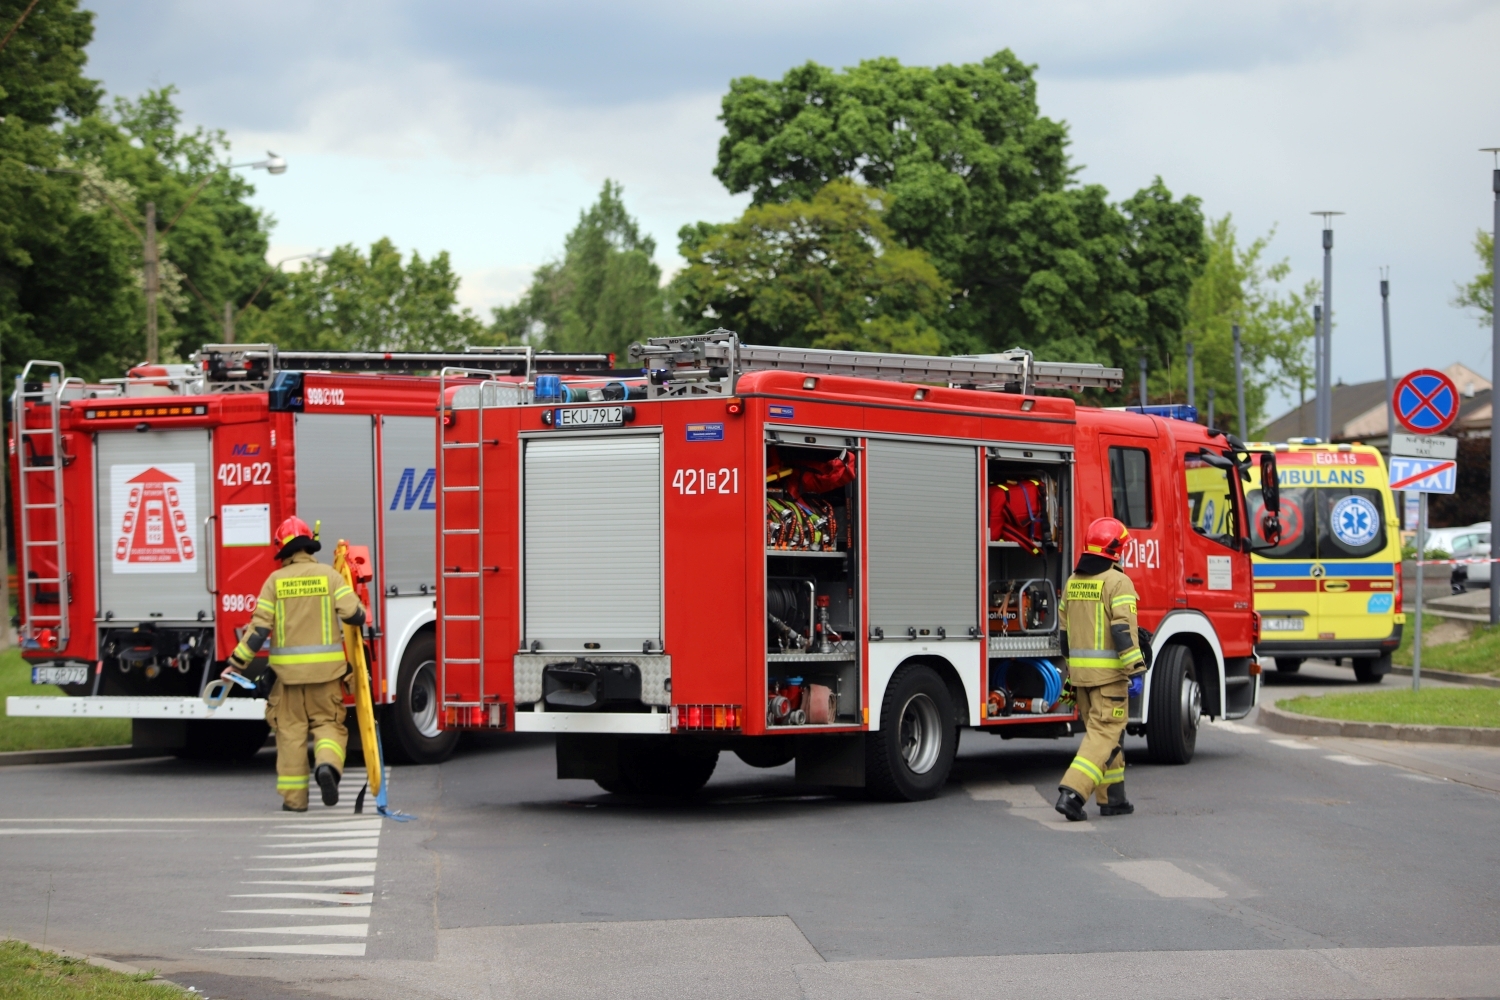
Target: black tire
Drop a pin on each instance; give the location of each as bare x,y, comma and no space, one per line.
230,740
1176,706
1288,664
762,752
665,767
910,756
1372,671
409,732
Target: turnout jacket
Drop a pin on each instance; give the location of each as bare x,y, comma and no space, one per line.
300,609
1098,616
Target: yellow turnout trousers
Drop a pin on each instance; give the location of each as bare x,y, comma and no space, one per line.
1101,757
295,711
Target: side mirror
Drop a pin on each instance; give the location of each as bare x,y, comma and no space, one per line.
1270,486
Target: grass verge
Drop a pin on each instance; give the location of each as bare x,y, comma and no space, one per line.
41,975
1430,707
49,734
1478,654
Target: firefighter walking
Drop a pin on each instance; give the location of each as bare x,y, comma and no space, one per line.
1104,654
299,610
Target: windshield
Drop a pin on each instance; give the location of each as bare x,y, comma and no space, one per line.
1322,523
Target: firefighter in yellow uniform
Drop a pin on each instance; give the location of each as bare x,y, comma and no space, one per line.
1101,644
299,610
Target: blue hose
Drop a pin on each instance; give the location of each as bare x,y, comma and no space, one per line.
1052,681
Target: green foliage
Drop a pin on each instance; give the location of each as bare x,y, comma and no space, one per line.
1480,293
981,182
826,272
45,733
603,294
45,975
351,301
1428,707
1479,653
1237,286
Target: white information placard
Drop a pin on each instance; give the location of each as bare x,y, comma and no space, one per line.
1220,573
242,524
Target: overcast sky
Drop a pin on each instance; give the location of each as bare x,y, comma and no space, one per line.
484,128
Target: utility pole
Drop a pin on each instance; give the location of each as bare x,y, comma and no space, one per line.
1210,406
1239,382
1390,385
1192,397
1494,375
1325,391
1318,357
228,322
153,284
1143,381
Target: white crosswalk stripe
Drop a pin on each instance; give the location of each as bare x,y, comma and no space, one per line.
313,849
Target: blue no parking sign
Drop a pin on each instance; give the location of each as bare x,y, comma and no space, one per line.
1426,401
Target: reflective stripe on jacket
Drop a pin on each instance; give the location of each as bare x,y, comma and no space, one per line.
303,604
1093,610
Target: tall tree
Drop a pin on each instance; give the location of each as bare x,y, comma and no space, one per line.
353,301
1238,286
1480,293
826,272
982,182
603,293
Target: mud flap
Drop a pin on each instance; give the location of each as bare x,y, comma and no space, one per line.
835,760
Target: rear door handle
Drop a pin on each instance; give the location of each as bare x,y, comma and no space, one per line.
1195,579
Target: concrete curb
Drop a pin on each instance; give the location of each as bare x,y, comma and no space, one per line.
103,963
1450,676
69,755
1310,725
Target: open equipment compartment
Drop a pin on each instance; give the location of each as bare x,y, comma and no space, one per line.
1028,507
812,580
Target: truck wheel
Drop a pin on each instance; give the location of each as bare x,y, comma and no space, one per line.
1372,671
911,755
669,768
230,740
1176,707
1288,664
409,726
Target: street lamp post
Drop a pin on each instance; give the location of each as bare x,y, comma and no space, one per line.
1239,382
1325,389
1390,385
1318,356
1192,396
231,315
1495,374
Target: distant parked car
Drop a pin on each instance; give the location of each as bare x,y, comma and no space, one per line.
1471,545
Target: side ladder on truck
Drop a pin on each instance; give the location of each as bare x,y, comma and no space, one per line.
33,463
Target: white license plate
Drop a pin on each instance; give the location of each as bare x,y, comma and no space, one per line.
588,416
1282,624
59,675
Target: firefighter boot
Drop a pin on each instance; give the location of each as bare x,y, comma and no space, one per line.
1116,805
328,781
1070,804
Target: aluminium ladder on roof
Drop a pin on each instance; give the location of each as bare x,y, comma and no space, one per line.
250,367
719,356
31,465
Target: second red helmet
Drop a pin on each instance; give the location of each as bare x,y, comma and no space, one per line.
291,528
1105,537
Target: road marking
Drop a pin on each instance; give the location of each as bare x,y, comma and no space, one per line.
341,830
352,842
1165,879
361,853
317,897
1344,758
354,881
322,930
339,949
342,866
304,911
52,831
1293,744
1025,803
1421,777
1235,727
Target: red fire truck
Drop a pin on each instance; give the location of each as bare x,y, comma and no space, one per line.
144,509
831,557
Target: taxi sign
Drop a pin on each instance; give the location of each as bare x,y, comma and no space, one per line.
1426,401
1423,475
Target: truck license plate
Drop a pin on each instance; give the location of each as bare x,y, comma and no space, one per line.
1281,624
60,675
588,416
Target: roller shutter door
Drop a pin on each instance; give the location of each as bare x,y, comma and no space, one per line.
593,543
336,483
923,538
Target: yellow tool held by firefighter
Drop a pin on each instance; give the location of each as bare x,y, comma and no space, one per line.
364,703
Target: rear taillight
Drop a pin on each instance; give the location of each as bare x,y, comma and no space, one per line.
491,716
707,717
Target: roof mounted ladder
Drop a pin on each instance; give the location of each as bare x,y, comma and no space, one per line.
712,363
40,487
250,367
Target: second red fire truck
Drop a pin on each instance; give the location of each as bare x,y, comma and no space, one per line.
831,557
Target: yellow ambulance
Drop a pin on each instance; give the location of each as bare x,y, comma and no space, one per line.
1330,585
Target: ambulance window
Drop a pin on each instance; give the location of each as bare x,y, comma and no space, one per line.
1296,540
1130,481
1210,500
1351,523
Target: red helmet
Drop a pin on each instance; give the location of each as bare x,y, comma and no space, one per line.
1105,537
291,528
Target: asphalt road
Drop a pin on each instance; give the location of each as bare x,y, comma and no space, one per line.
1271,866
